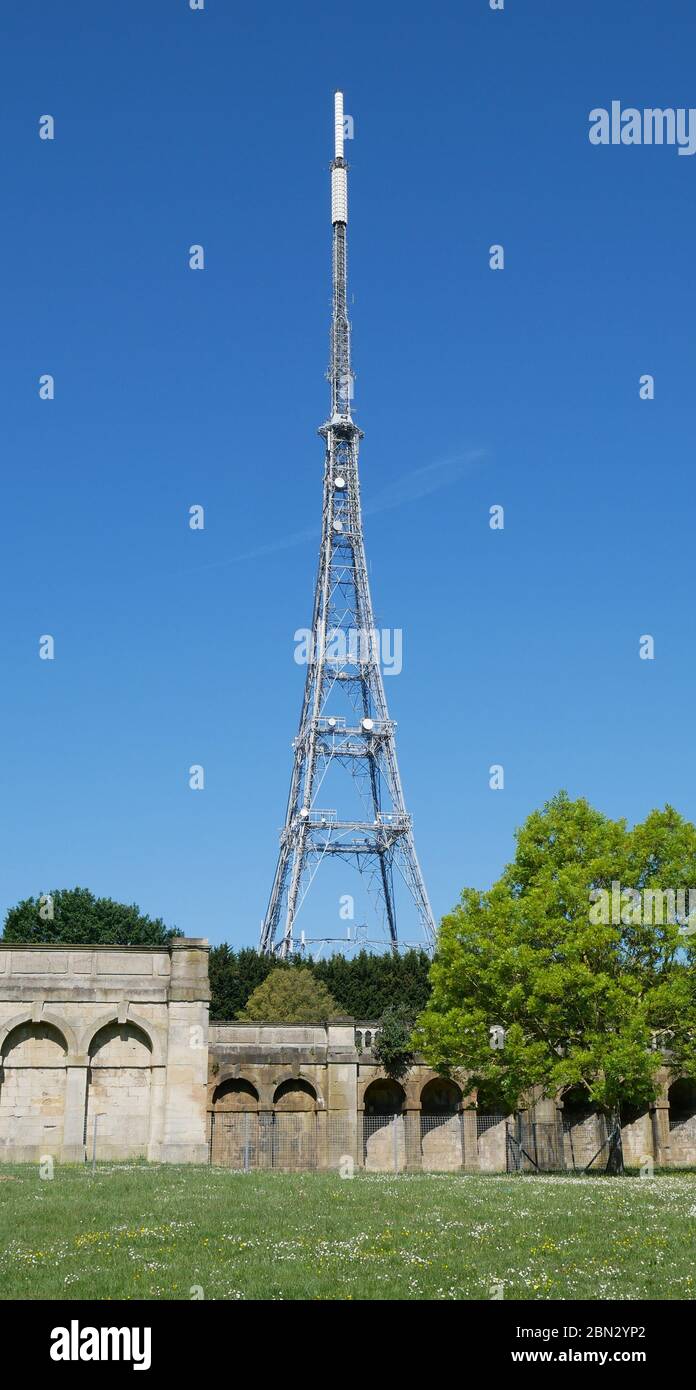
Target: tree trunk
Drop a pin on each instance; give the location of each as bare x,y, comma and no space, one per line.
615,1158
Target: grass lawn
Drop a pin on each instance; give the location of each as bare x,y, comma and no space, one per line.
154,1232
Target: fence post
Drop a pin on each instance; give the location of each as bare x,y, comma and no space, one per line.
265,1139
94,1146
470,1141
412,1139
395,1137
321,1139
247,1118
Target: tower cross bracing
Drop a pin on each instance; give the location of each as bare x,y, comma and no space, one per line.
344,723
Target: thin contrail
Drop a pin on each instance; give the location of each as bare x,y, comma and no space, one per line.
420,482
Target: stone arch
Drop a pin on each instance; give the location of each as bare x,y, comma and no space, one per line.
441,1135
384,1096
110,1016
681,1098
576,1103
384,1136
47,1017
31,1044
120,1045
293,1132
440,1096
235,1093
682,1120
584,1128
119,1089
33,1086
295,1093
489,1102
306,1081
256,1076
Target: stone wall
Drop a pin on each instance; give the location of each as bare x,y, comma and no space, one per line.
119,1036
113,1034
345,1110
281,1096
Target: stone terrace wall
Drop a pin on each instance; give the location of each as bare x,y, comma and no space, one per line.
116,1033
343,1108
119,1035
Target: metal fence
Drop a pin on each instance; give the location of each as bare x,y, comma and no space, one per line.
445,1141
383,1143
585,1142
533,1146
291,1142
305,1140
434,1124
486,1122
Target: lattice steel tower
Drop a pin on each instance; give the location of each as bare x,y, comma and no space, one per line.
344,674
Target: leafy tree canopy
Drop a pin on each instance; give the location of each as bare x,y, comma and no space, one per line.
580,996
392,1050
234,975
75,916
363,985
290,996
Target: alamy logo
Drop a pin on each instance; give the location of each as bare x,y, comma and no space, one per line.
75,1343
652,126
351,646
631,907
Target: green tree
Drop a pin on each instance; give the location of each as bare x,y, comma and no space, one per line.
363,986
75,916
579,998
290,996
393,1050
234,975
367,984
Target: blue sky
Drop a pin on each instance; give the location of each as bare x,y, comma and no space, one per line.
474,388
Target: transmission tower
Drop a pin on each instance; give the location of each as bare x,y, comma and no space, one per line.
344,724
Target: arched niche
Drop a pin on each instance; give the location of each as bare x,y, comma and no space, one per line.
491,1129
584,1129
440,1096
35,1045
441,1126
120,1045
295,1094
682,1121
119,1091
577,1105
682,1102
235,1094
294,1128
490,1103
384,1139
32,1088
384,1097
